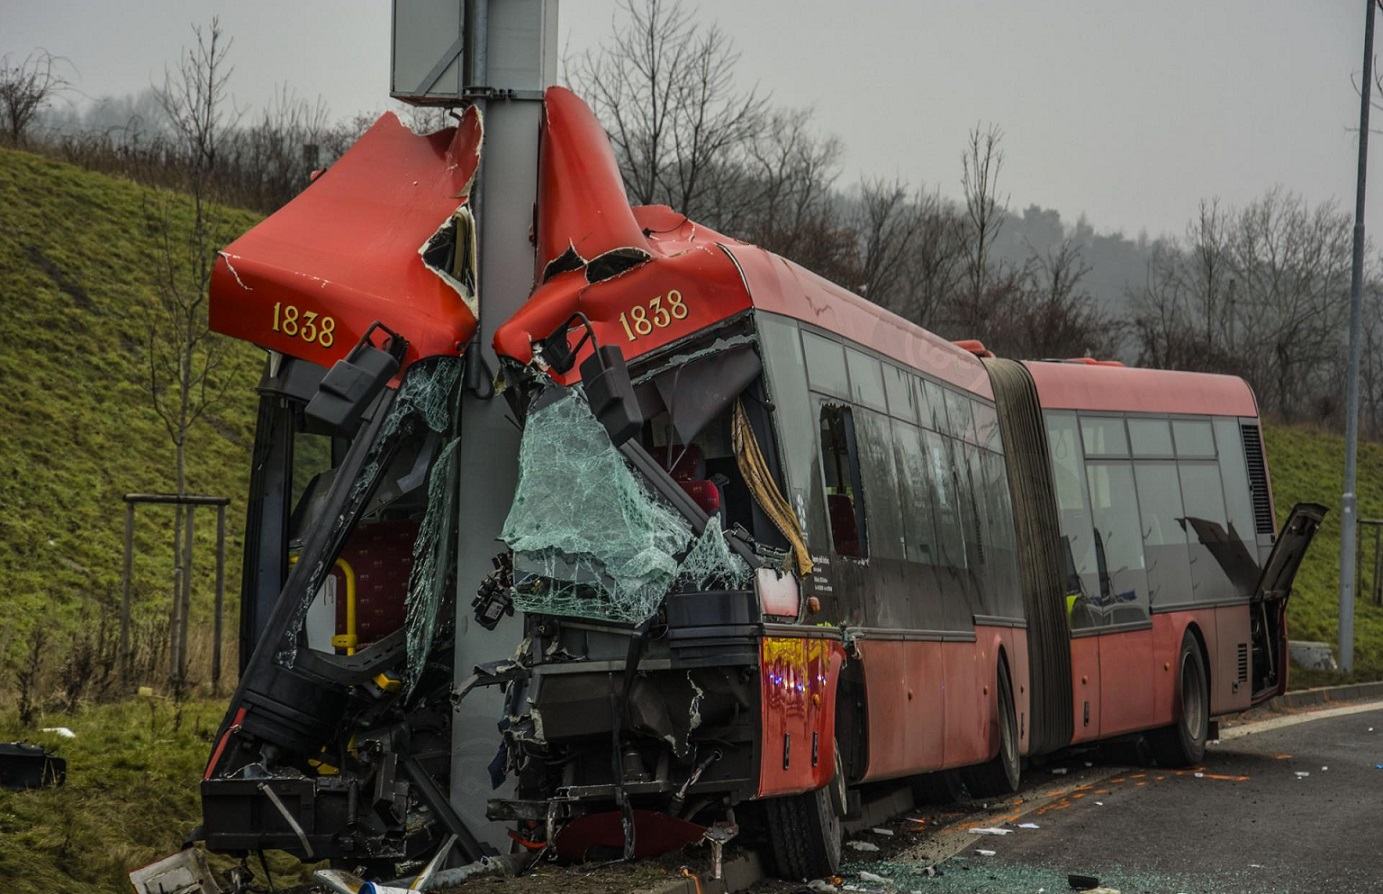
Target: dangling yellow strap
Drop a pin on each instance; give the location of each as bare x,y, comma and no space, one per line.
754,468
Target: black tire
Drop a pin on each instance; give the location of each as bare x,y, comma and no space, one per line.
805,830
1001,775
1183,743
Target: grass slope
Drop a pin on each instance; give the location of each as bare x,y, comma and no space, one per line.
76,278
1307,465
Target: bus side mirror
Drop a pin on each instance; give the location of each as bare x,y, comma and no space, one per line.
355,381
610,393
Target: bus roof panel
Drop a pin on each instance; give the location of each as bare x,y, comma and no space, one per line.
1079,386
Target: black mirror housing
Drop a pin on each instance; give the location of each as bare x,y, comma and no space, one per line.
355,381
610,393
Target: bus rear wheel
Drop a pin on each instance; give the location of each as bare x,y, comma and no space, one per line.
1001,775
805,830
1183,743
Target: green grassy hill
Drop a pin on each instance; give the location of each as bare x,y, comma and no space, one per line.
76,278
1307,465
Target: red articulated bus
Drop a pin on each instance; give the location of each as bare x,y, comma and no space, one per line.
770,542
954,561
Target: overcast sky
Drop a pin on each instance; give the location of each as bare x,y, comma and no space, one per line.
1126,112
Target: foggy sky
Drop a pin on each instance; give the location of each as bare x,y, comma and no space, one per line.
1126,112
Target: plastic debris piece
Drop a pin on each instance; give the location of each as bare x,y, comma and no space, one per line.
1302,774
984,853
866,876
887,833
1080,882
1099,803
1029,826
62,731
862,846
990,830
1323,769
821,886
1089,763
1378,766
1200,775
1058,771
1255,866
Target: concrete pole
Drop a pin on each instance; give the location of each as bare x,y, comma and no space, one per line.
517,51
1349,525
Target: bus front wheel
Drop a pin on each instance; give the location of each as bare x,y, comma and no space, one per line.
805,830
1001,775
1183,743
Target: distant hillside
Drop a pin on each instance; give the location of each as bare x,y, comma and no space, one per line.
76,268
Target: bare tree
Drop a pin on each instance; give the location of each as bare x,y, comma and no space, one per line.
1058,317
185,359
27,87
664,86
981,164
1256,291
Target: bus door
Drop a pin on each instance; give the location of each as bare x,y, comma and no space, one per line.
1268,606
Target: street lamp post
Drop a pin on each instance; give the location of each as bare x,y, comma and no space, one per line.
1348,504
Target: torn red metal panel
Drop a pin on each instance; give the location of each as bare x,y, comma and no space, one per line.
645,277
310,279
584,211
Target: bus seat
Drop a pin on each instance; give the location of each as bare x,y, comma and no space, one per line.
844,532
688,468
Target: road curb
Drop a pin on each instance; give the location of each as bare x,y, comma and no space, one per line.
1323,695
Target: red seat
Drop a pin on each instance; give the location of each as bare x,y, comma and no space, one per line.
688,469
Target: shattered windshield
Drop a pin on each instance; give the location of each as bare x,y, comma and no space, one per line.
589,538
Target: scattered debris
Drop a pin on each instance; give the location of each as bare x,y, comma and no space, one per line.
984,853
1080,882
887,833
866,876
864,846
1323,769
1302,774
1200,775
990,830
185,872
62,731
821,886
1089,763
1256,866
1099,803
29,766
1058,771
1029,826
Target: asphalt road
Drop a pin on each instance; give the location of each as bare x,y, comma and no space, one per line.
1250,822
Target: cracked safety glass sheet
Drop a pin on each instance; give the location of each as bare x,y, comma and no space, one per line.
589,539
310,278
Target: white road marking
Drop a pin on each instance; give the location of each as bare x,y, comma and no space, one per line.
1263,726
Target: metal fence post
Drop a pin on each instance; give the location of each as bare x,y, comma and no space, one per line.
124,657
220,599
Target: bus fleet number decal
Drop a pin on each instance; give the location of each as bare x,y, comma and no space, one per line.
659,314
308,325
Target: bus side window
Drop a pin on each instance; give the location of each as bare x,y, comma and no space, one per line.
882,505
793,407
949,529
1077,529
915,492
840,467
1114,507
1234,475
